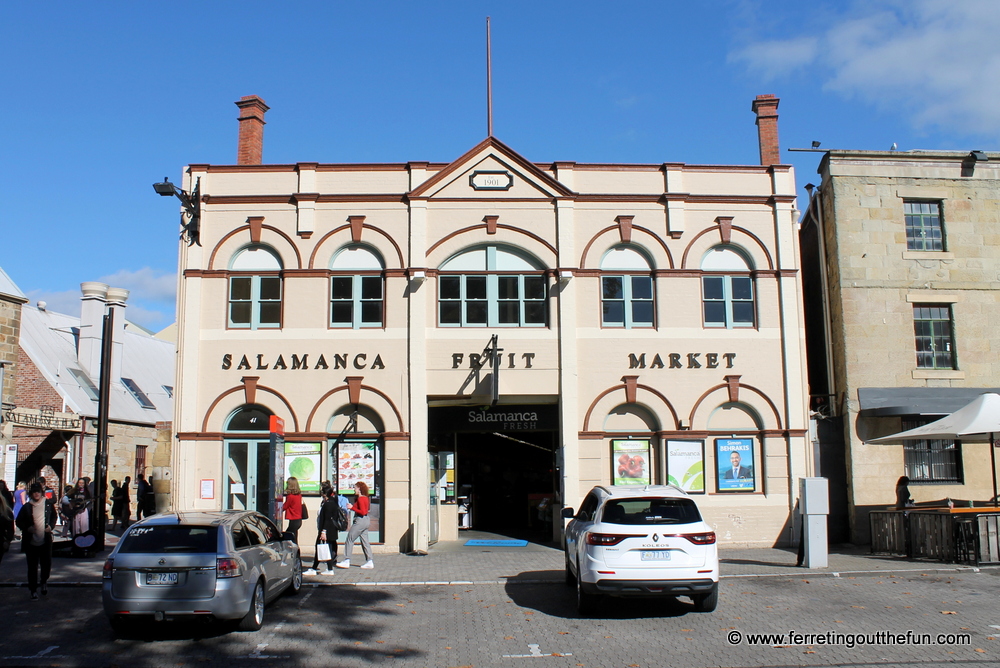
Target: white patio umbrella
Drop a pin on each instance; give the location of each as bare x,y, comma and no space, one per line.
977,422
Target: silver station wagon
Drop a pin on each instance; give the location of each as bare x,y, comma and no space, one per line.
221,565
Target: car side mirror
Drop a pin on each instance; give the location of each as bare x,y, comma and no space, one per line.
567,513
289,536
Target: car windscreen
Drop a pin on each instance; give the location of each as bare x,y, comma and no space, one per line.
170,539
647,511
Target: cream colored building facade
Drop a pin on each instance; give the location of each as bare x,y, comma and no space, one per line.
911,273
641,313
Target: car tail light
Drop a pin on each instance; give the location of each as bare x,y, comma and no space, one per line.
700,538
228,568
109,567
608,538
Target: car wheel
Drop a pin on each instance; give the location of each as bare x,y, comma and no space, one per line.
586,604
254,618
570,578
707,602
119,624
296,583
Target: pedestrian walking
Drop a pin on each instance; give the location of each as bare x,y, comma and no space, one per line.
359,527
20,498
66,510
6,525
6,494
36,520
293,507
141,489
81,502
117,497
149,501
332,519
126,502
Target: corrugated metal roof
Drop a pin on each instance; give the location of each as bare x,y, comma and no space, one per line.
9,288
50,340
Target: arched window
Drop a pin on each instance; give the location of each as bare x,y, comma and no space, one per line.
727,288
255,288
356,295
626,289
491,286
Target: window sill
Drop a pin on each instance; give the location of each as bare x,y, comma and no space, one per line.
928,255
943,374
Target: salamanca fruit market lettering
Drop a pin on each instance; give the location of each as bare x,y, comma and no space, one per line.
345,361
682,361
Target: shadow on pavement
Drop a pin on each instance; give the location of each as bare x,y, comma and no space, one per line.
559,600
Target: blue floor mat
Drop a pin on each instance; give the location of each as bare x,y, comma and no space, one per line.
495,543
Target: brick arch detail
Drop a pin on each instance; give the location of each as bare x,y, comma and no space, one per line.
244,228
621,388
725,387
499,226
240,388
741,230
364,388
635,228
399,253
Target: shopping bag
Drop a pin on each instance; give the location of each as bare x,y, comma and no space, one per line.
323,552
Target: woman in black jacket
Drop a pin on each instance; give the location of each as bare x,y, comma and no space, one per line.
326,525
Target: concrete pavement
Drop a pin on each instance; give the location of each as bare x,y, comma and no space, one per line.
454,562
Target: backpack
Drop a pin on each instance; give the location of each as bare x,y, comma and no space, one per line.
340,519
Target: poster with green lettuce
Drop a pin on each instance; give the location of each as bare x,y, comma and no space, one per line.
686,465
302,463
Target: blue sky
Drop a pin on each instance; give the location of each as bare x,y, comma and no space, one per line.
105,98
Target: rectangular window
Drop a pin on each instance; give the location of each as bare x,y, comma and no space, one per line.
923,226
489,300
356,301
627,301
931,461
140,461
137,393
933,331
255,302
85,383
728,301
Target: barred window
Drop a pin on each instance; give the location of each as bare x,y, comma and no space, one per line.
923,226
931,461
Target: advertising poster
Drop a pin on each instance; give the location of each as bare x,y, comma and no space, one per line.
356,461
686,465
631,462
302,463
734,459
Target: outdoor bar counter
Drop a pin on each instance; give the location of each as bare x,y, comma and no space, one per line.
964,535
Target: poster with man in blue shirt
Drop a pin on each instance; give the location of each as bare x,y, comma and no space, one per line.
734,458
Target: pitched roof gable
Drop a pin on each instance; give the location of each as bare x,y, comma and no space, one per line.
488,153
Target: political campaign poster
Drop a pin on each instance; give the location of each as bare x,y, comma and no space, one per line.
734,460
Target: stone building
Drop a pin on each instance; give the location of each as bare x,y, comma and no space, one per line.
484,340
11,301
54,416
902,276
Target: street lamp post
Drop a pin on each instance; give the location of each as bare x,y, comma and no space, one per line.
191,202
99,515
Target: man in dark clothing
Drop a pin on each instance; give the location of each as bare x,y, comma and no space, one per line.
36,520
141,490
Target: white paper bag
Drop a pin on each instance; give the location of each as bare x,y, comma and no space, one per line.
323,552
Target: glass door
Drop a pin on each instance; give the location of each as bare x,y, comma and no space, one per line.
247,470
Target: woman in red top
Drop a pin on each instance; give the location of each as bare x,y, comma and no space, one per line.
293,507
359,528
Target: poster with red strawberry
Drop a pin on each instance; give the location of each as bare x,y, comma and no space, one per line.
631,461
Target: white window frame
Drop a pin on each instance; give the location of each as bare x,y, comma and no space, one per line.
366,266
492,299
734,265
266,265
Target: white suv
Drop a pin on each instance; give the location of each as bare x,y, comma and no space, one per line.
643,541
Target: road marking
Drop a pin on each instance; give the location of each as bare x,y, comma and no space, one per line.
44,654
535,653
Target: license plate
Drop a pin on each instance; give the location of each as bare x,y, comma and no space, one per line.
161,578
656,555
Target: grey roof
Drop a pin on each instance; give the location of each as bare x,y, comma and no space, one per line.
890,401
9,289
50,340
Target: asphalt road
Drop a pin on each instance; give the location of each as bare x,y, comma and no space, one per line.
534,624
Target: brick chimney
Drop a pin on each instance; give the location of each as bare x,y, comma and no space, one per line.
766,108
250,150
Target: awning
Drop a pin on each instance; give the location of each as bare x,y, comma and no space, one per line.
927,401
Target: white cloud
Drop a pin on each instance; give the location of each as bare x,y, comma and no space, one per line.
145,284
938,61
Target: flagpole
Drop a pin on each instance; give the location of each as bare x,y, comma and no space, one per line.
489,82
